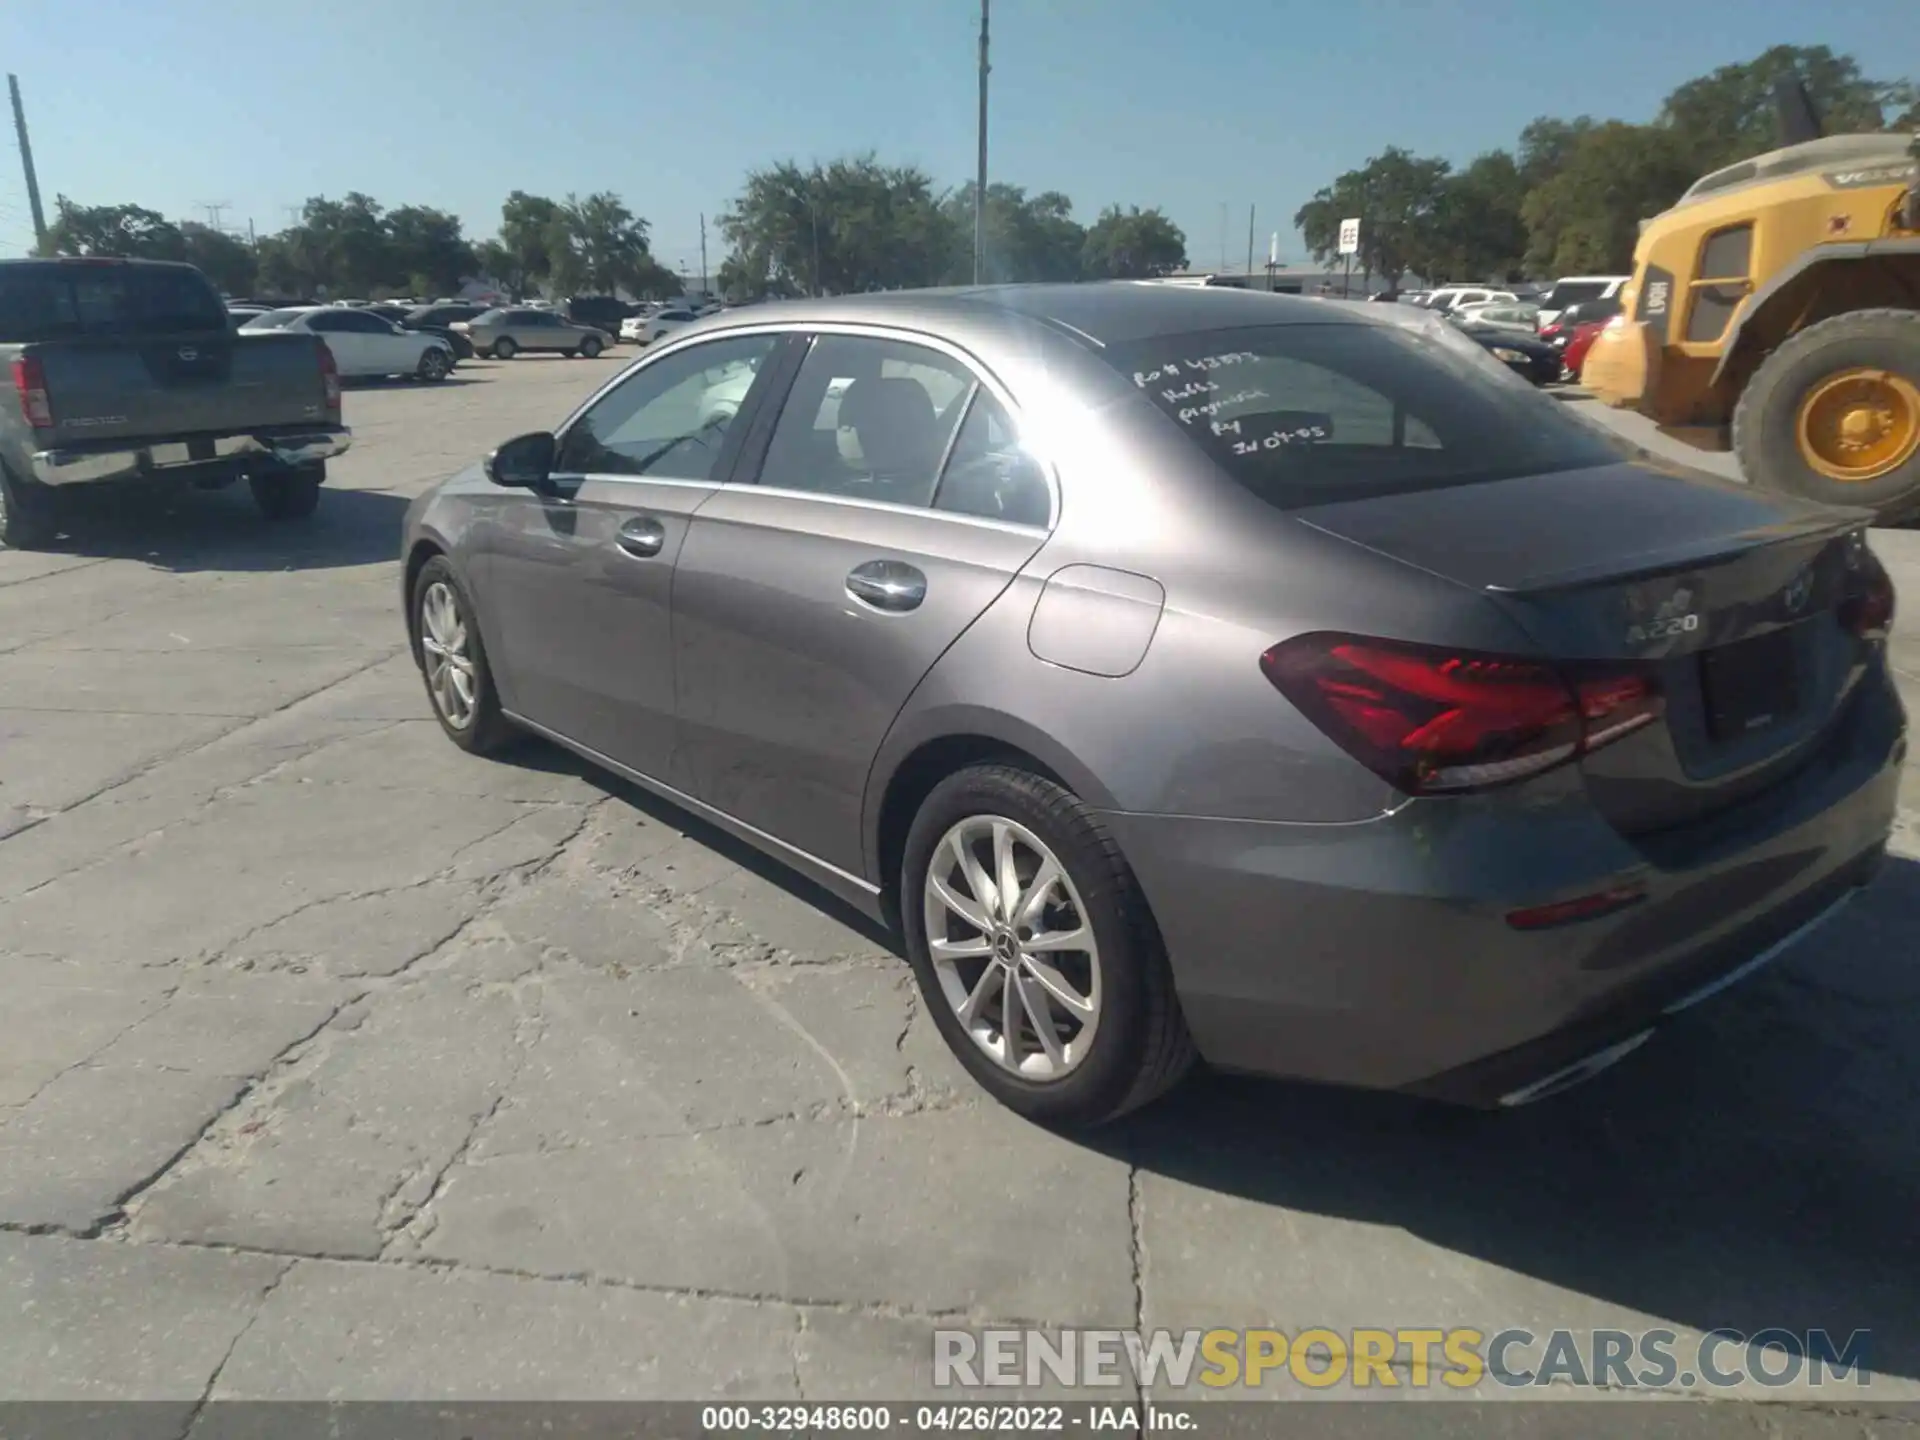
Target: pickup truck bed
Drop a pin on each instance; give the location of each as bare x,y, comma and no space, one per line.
130,371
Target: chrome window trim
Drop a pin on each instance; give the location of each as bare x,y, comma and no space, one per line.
984,378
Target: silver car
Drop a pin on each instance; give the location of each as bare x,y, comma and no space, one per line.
502,334
1189,671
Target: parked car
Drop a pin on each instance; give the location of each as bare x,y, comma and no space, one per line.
1560,329
362,343
1529,357
664,322
1452,297
633,329
1574,354
597,312
240,314
1576,289
1500,315
1191,672
502,334
443,313
131,371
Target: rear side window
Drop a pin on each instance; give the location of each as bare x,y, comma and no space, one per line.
48,302
1309,414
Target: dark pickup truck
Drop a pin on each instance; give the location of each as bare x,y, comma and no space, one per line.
130,371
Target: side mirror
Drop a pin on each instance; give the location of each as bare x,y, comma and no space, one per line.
524,462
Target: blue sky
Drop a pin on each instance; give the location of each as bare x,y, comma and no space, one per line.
175,104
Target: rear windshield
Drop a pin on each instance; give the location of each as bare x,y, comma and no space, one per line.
273,320
51,302
1309,414
1572,292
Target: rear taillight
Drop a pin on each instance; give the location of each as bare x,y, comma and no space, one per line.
1436,721
329,377
1867,609
30,381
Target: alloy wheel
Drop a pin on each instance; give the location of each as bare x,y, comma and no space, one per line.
449,655
1008,936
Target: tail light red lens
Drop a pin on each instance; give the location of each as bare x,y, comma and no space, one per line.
1436,721
329,377
1867,609
30,382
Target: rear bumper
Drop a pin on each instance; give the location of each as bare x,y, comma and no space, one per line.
88,465
1378,954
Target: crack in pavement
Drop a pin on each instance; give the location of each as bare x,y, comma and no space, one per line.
259,1308
181,752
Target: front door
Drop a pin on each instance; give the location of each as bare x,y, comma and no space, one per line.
581,579
809,605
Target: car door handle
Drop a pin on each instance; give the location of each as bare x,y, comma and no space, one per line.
887,585
643,537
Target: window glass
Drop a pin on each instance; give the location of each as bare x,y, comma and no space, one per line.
669,419
1305,414
1572,292
46,302
327,321
989,474
273,320
366,323
868,419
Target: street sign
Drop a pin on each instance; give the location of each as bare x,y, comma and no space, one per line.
1349,236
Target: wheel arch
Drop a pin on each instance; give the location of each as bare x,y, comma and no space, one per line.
1826,281
922,753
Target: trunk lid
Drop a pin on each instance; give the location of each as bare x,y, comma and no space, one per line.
187,383
1726,596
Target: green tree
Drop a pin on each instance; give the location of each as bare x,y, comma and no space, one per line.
1133,244
607,247
849,226
1027,237
427,251
1546,143
125,230
1398,198
526,233
1729,114
225,259
1586,219
1479,230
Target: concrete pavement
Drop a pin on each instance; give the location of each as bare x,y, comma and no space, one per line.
337,1064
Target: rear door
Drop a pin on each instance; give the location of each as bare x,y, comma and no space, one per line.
580,580
808,605
348,343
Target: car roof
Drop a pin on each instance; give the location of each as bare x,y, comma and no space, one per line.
1097,314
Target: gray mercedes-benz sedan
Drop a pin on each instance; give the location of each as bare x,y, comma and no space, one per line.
1188,671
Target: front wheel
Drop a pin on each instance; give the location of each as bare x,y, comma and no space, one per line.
291,494
505,349
591,347
435,365
454,663
1834,414
26,513
1035,951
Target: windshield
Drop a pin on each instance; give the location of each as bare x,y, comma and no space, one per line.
49,302
1307,414
1572,292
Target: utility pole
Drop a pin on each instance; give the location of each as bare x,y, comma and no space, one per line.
1250,246
33,180
1223,235
213,209
703,253
252,239
980,174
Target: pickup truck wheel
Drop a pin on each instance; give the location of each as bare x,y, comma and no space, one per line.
435,365
591,347
453,662
26,522
289,494
504,349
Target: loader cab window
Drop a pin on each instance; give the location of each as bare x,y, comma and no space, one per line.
1720,286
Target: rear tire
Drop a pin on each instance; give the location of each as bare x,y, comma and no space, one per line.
504,349
591,347
1777,405
1136,1045
26,513
289,494
435,365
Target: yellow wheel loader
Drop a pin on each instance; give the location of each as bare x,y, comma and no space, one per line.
1775,311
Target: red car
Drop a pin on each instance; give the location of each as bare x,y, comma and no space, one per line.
1575,355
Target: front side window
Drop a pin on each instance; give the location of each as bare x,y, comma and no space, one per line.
669,419
1722,283
1308,414
868,419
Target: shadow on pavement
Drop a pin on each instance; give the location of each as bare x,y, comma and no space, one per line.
201,530
1755,1165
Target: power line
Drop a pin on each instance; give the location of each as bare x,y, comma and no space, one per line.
213,209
